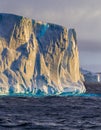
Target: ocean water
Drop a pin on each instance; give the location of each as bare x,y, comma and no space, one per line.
81,112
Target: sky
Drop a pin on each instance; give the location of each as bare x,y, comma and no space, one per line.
83,15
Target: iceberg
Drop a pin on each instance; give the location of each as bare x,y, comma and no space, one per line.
90,77
38,58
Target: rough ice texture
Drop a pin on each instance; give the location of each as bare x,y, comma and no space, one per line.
37,57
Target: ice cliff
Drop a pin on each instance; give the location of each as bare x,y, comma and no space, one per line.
37,57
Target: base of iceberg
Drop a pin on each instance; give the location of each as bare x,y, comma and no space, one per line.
73,89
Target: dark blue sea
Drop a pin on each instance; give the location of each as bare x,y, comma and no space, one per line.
51,113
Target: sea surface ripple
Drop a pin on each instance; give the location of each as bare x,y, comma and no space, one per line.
51,113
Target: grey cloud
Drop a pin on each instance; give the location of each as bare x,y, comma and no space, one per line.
89,46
